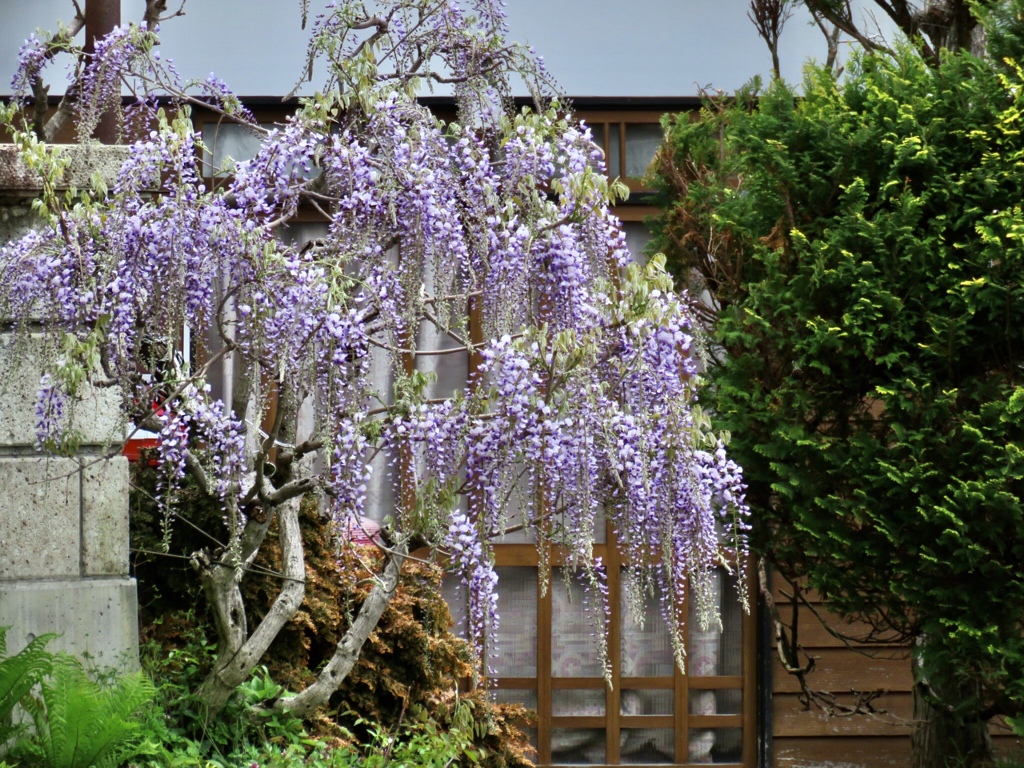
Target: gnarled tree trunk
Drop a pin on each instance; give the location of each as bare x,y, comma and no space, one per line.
239,652
347,653
941,734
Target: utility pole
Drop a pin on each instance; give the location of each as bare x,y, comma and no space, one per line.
101,16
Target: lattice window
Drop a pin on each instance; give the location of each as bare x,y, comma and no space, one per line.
547,659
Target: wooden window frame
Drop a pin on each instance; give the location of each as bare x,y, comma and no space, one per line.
613,721
608,126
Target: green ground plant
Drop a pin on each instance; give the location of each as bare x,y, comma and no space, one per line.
54,715
19,674
247,733
79,723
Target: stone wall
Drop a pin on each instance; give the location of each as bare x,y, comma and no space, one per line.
63,521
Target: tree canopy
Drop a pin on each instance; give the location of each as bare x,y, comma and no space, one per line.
861,249
487,240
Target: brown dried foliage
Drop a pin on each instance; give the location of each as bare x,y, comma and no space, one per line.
411,662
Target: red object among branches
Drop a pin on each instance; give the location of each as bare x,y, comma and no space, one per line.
361,530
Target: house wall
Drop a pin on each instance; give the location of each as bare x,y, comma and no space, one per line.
805,737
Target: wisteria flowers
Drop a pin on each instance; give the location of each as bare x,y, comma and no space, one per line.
478,251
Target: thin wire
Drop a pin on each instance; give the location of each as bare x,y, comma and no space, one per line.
249,569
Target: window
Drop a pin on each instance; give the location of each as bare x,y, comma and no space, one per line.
547,659
228,143
629,147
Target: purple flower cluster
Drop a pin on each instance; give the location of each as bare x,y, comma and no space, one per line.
350,471
31,60
51,413
193,418
219,93
269,183
100,82
463,541
198,425
494,235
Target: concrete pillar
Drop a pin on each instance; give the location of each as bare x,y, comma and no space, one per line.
63,521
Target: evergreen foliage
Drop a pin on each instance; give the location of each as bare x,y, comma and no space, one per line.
862,248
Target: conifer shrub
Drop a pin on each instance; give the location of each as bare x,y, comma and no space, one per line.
860,243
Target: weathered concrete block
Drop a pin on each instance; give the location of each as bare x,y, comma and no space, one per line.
40,518
19,184
63,522
96,413
97,618
88,159
105,517
16,219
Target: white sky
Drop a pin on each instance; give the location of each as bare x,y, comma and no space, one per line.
592,47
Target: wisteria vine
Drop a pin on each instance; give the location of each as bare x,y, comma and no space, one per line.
492,233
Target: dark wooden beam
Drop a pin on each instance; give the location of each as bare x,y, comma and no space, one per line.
101,16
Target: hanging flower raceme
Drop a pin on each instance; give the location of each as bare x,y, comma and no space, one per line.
100,85
51,413
195,416
470,558
320,367
32,57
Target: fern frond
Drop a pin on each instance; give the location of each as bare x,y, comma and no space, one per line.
114,718
81,724
35,750
78,723
21,672
64,693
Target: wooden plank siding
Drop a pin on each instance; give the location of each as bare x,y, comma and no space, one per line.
803,738
807,737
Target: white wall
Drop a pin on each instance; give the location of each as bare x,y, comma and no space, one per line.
592,47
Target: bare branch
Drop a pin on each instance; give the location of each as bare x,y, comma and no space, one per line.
155,10
196,472
40,92
831,41
59,118
841,16
769,17
289,491
789,651
285,458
